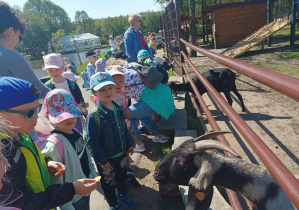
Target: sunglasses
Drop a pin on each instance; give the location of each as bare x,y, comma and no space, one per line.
29,113
138,21
20,36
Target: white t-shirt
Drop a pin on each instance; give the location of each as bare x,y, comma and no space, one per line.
113,44
64,85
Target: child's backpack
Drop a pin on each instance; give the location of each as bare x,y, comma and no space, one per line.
85,78
74,67
43,138
160,68
97,120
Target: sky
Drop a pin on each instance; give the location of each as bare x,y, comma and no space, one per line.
99,8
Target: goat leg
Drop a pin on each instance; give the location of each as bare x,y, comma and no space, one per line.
235,91
199,199
228,98
203,177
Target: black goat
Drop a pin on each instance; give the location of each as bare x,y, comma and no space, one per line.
222,79
197,164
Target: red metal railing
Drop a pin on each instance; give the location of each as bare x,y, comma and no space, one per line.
231,194
287,85
282,83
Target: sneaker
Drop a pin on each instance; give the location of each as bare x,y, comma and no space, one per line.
131,179
141,127
139,148
117,207
125,201
163,139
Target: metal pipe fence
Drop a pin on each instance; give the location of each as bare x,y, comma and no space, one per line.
284,84
279,82
278,170
173,48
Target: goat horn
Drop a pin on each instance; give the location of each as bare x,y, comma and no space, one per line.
211,135
211,144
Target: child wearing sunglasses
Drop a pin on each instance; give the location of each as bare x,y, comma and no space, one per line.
63,112
26,183
55,68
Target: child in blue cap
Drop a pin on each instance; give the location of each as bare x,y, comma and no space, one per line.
109,140
26,183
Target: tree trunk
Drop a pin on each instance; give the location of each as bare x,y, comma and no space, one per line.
192,28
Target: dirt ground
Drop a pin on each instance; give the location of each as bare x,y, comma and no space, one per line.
147,196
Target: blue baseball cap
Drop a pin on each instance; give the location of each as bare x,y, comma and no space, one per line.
90,53
16,92
99,80
142,52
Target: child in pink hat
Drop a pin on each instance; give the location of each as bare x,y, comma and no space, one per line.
55,68
63,112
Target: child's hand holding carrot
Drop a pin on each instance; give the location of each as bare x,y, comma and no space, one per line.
56,168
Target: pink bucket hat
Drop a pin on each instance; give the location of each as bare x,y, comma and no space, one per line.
53,60
68,74
60,105
114,70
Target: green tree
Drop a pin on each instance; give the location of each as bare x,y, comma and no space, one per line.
57,38
84,24
150,21
43,18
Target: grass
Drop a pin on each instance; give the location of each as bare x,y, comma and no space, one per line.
283,69
290,55
81,68
171,73
163,149
285,32
195,124
295,126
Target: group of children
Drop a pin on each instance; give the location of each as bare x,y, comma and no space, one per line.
64,157
27,183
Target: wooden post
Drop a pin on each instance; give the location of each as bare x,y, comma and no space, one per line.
77,51
293,23
269,19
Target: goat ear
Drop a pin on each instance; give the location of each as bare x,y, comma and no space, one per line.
211,135
211,144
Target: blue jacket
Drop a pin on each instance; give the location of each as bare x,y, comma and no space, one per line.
133,44
107,142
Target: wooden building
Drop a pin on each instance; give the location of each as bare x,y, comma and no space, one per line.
232,22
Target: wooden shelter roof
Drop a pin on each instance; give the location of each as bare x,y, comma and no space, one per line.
207,9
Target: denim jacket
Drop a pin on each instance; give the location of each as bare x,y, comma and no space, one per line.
133,44
107,143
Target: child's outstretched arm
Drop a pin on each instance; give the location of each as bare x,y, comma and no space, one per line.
15,191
